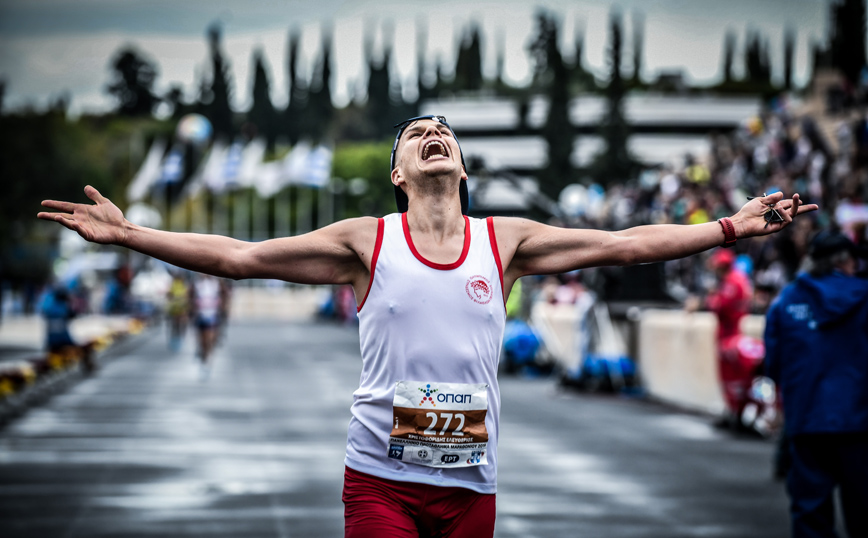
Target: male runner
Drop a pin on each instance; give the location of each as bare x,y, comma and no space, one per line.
431,285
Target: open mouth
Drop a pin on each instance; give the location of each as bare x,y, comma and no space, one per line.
434,148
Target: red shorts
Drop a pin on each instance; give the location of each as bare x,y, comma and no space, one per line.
381,508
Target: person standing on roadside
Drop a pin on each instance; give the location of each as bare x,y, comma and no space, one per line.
817,352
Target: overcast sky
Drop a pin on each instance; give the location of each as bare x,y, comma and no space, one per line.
51,46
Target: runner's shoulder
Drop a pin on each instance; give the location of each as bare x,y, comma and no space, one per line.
359,233
514,228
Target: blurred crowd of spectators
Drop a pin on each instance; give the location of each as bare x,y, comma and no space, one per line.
775,151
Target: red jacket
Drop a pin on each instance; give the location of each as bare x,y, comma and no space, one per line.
730,302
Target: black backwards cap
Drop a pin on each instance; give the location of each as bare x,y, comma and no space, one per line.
400,195
827,243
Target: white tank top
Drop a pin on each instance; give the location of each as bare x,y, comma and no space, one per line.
430,337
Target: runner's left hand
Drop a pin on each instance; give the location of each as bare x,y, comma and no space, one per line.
751,218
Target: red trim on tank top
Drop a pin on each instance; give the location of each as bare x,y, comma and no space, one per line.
374,256
493,240
439,266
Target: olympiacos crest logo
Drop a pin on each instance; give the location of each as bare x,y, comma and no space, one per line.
479,289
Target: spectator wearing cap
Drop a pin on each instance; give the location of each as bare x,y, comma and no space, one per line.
730,302
817,351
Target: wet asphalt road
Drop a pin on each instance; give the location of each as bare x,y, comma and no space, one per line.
146,448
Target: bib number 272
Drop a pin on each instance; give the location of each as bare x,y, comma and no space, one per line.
448,418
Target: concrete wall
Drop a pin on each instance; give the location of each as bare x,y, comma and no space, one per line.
291,304
677,351
678,357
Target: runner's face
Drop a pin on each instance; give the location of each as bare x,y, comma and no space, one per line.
430,147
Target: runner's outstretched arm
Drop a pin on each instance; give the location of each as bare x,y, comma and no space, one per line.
336,254
528,247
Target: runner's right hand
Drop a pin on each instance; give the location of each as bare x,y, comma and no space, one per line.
101,222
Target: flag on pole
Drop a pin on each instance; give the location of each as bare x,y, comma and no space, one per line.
308,166
148,174
251,160
270,179
319,167
172,169
228,178
295,162
210,170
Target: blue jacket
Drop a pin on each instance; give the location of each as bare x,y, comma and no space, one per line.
817,352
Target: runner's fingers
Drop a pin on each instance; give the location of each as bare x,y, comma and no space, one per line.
794,210
772,198
64,220
45,215
804,208
94,195
781,209
66,207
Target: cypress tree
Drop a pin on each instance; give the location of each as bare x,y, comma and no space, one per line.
468,64
728,56
297,98
219,91
789,52
614,164
638,43
133,84
553,76
320,110
757,60
262,113
217,106
379,86
848,39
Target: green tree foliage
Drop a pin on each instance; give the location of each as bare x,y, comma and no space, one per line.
553,77
217,99
175,99
262,113
42,154
370,162
848,37
614,164
133,83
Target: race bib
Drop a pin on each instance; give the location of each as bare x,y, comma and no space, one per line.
439,424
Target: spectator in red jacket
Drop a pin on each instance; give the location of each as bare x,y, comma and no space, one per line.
731,300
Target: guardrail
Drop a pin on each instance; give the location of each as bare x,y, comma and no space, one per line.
26,381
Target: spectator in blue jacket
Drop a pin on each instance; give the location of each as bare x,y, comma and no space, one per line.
817,351
57,310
